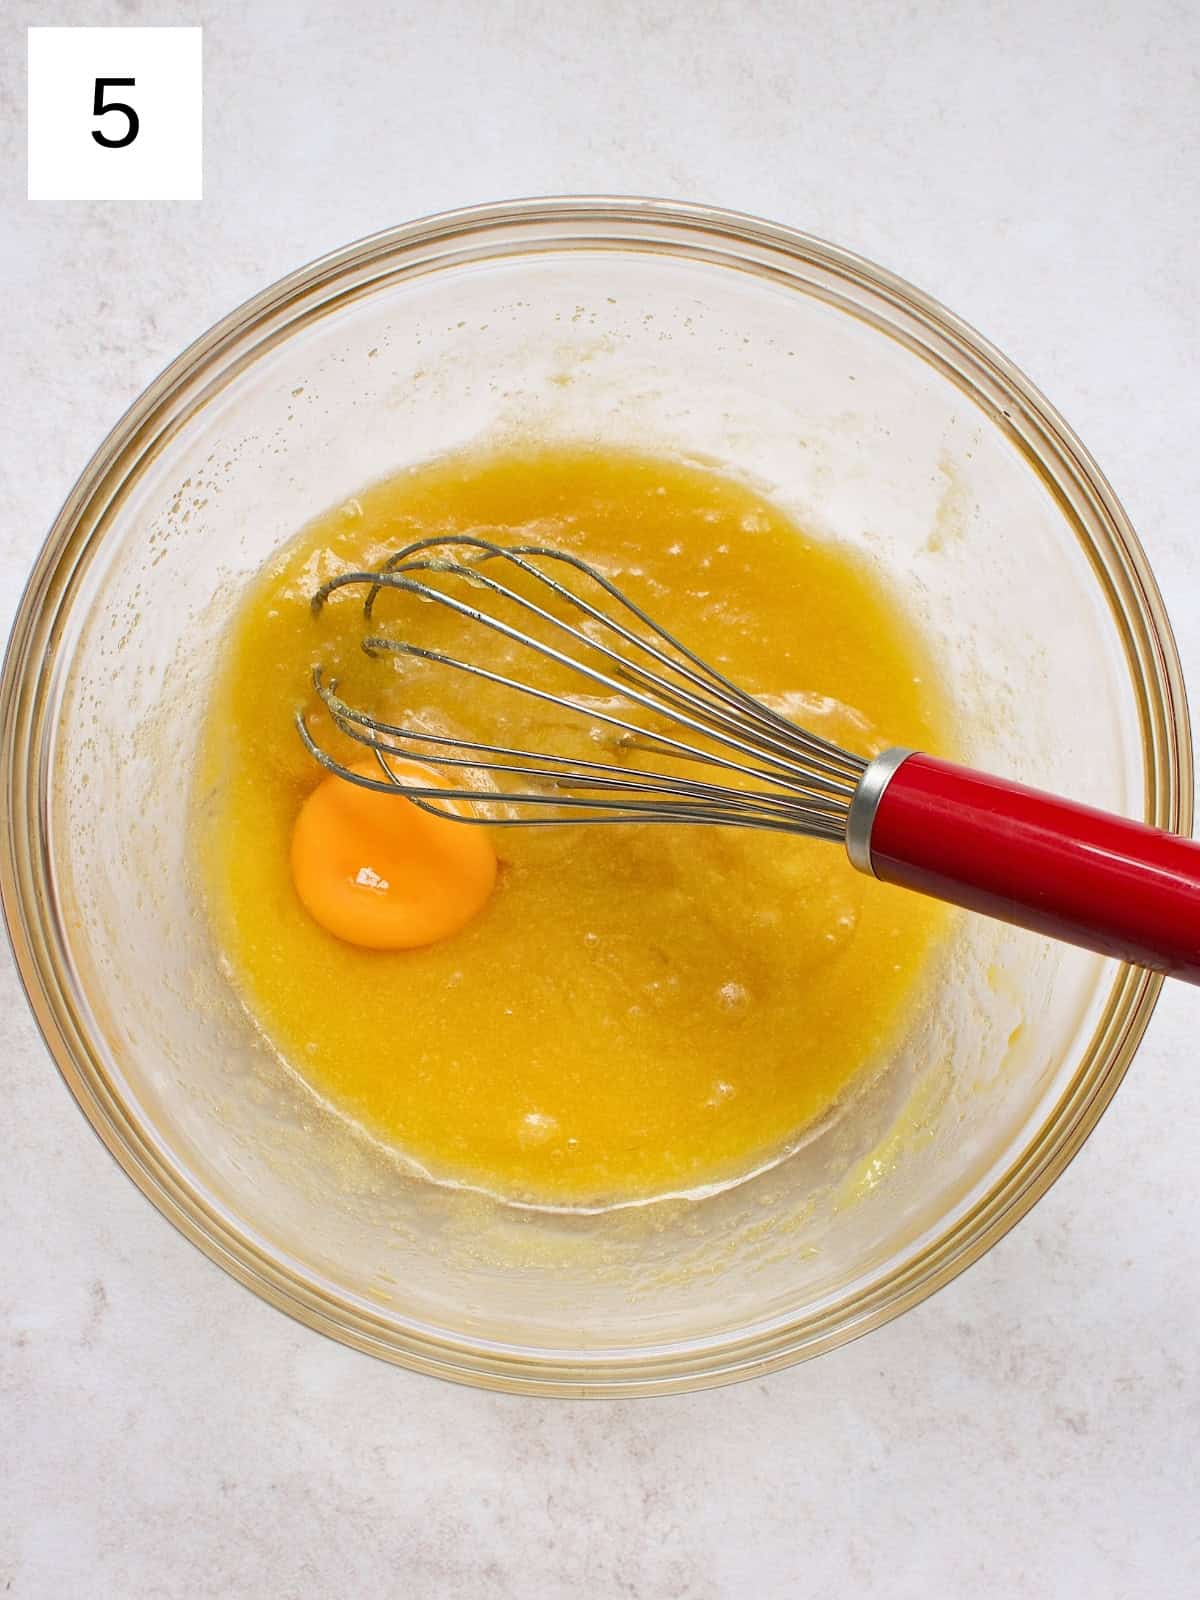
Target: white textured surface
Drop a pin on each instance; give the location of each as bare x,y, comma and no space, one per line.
1030,1431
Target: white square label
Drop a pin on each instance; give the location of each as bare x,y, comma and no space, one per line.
115,114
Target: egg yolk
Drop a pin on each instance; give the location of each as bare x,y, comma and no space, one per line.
378,871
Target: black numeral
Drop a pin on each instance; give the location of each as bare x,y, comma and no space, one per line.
100,109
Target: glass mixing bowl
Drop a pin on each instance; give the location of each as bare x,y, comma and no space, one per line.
871,414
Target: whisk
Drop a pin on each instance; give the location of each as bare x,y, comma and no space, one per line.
724,758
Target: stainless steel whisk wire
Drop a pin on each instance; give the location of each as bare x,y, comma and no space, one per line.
807,781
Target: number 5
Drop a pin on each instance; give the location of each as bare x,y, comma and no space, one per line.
99,109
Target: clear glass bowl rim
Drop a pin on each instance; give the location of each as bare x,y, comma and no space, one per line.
736,240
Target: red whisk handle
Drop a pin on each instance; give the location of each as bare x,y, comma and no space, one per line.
1030,858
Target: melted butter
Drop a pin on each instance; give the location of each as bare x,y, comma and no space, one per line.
637,1010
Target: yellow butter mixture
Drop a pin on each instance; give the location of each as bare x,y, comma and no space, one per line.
616,1011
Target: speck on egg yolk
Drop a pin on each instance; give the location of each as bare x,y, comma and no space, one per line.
380,872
